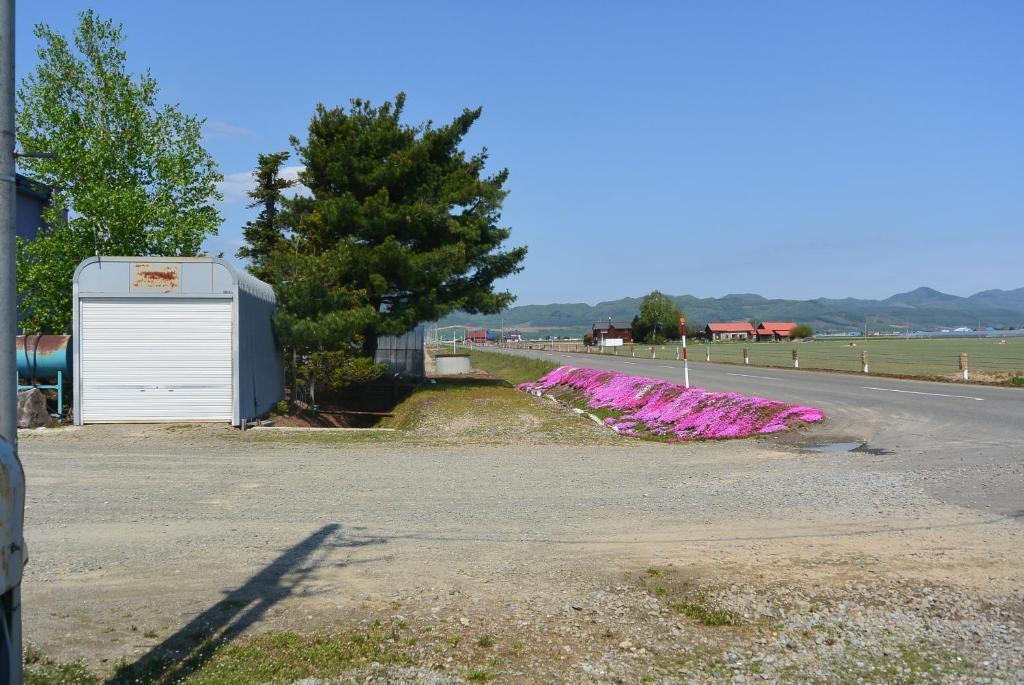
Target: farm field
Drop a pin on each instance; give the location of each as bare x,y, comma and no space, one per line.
998,360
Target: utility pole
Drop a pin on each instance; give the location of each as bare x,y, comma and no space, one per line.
12,500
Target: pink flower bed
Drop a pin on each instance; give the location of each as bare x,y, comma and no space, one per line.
664,408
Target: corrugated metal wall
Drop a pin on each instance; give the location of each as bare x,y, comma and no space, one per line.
402,353
260,365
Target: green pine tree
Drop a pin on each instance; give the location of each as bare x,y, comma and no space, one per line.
400,227
266,232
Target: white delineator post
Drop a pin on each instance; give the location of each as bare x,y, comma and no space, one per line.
963,366
796,360
686,365
864,360
746,356
707,353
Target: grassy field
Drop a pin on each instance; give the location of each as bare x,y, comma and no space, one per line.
999,360
513,370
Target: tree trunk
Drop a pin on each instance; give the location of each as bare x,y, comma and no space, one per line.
370,345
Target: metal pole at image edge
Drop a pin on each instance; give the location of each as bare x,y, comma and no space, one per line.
12,500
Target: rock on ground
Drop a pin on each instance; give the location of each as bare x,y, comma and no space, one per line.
32,411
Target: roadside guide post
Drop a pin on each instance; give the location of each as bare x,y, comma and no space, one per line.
746,356
796,360
686,365
963,366
864,360
707,353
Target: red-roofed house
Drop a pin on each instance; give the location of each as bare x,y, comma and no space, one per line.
730,331
477,337
775,330
612,330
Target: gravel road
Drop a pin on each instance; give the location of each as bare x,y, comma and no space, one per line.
583,563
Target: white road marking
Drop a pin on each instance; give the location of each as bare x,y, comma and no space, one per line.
670,367
747,375
629,362
933,394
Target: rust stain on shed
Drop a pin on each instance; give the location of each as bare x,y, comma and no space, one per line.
161,277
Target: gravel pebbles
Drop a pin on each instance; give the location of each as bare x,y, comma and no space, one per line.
580,564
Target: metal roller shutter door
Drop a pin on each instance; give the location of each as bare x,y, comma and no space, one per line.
159,359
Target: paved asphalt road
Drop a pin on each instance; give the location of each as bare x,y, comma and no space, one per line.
964,442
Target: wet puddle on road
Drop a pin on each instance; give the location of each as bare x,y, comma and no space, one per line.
861,447
834,447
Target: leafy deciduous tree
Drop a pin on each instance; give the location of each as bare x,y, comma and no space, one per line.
801,331
132,176
658,319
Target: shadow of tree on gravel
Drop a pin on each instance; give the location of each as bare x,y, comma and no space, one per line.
187,650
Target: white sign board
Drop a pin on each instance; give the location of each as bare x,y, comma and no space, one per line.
611,342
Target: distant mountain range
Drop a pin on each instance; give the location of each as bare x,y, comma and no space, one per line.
923,308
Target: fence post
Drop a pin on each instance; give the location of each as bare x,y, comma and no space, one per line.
864,360
746,356
796,360
963,366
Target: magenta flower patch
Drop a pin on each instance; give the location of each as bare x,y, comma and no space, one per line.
663,409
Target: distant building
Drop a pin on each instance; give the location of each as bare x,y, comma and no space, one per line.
730,331
513,336
476,336
612,330
775,330
32,199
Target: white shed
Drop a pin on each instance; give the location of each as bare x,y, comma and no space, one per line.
162,339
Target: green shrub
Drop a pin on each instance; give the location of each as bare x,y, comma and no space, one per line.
801,331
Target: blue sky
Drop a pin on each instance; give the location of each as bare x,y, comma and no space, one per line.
793,149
